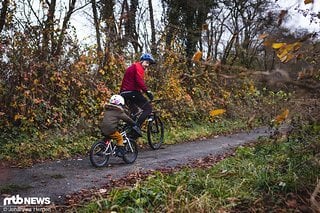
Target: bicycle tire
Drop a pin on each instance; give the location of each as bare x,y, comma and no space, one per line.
155,132
99,157
131,154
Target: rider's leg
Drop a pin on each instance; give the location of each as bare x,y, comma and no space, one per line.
144,104
118,137
120,151
129,97
135,98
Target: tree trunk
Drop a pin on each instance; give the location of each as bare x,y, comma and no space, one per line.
48,29
64,27
96,24
3,14
111,28
153,30
131,27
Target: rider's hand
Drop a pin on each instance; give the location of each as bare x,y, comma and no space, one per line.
150,95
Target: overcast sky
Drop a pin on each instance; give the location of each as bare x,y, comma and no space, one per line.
294,21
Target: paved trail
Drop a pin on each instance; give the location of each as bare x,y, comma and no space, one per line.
59,178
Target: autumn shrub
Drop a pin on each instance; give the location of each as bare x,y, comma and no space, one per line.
191,93
38,94
42,93
67,94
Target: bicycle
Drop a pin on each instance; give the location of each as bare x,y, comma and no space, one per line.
155,126
101,150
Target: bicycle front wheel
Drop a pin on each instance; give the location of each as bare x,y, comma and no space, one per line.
155,132
100,154
131,152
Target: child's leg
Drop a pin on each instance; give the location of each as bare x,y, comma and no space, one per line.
118,137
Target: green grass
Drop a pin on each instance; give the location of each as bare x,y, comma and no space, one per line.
255,177
46,147
201,130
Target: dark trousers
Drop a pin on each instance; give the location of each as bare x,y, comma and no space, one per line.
134,99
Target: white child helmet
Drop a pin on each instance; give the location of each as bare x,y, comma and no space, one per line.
117,100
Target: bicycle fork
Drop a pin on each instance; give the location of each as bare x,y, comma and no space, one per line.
127,140
156,126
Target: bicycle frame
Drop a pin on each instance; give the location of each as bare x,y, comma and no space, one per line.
137,114
126,139
153,125
101,150
111,143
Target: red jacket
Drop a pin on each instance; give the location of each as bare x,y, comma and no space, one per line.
133,79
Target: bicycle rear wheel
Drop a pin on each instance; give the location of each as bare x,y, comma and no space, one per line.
155,132
100,154
131,150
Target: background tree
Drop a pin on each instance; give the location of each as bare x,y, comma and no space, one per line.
153,30
3,14
185,21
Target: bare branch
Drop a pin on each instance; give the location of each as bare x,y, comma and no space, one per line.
34,13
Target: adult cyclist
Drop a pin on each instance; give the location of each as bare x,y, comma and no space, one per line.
133,86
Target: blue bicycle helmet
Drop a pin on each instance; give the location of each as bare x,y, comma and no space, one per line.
147,57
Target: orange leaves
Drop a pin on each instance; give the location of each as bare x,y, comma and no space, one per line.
17,117
197,56
281,117
216,112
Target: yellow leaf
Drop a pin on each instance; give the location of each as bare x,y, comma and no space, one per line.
252,88
101,71
197,56
217,112
282,53
285,51
283,58
308,1
36,81
289,57
278,45
17,117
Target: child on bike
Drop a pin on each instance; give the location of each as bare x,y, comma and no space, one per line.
114,112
